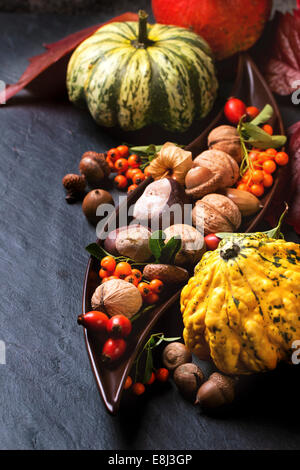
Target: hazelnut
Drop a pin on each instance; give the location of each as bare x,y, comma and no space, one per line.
196,176
188,378
217,391
91,202
74,185
94,167
175,354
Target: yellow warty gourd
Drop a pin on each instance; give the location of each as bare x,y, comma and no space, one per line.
242,307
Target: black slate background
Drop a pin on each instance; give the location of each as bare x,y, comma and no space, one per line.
48,396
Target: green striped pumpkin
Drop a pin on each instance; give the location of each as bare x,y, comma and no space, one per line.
132,74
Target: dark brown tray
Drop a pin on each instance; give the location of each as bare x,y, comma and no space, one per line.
251,88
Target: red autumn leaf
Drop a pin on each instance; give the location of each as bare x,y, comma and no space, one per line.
294,149
283,68
47,64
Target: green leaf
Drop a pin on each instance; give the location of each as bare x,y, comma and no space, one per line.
148,366
169,250
257,137
156,243
263,116
96,250
169,340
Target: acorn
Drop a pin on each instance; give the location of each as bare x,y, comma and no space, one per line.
218,390
92,200
175,354
188,378
75,186
94,167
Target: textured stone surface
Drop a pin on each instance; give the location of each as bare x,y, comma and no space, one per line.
70,6
48,396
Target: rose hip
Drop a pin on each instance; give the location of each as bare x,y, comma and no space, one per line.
119,326
93,320
212,241
113,349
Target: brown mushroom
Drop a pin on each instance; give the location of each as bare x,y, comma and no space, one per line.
175,354
166,273
188,378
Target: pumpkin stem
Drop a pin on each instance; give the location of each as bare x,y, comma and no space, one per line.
230,250
143,34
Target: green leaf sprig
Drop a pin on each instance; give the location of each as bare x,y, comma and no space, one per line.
147,153
274,233
252,135
164,252
155,340
99,252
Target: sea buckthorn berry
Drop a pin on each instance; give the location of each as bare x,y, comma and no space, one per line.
243,187
257,176
110,163
109,278
253,155
252,112
156,286
152,298
268,129
138,388
269,166
257,189
128,383
103,273
123,269
144,289
134,161
123,151
133,280
282,158
268,180
138,178
132,187
152,379
129,173
263,157
137,274
271,152
162,374
121,181
113,154
108,263
147,171
121,165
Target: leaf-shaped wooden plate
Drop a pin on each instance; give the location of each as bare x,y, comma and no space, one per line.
252,89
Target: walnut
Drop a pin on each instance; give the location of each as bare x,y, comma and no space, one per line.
223,172
227,139
217,213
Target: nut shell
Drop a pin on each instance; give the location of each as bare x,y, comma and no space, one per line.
117,297
188,378
217,391
227,139
92,201
175,354
224,169
166,273
94,167
216,213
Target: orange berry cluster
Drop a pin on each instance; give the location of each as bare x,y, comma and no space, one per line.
263,164
110,269
130,175
138,388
